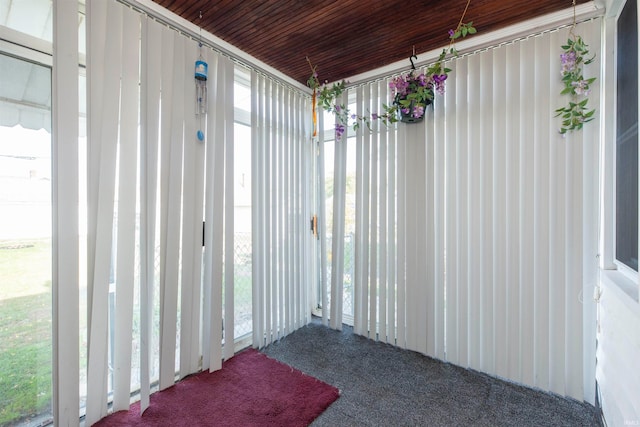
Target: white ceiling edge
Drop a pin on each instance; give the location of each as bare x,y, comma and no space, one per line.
155,10
485,40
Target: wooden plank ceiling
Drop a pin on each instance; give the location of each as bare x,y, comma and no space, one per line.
344,38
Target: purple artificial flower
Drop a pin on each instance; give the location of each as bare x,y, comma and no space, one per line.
422,80
568,61
438,81
339,131
399,86
581,87
374,116
418,111
451,33
439,78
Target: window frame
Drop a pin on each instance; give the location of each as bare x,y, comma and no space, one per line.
614,271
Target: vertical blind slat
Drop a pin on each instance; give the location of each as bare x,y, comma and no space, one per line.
493,208
450,214
172,212
460,263
373,221
217,141
106,54
401,239
366,218
557,298
227,110
391,227
487,233
337,242
150,94
439,223
336,322
191,232
275,198
384,210
513,219
473,216
527,128
359,227
127,193
500,217
541,217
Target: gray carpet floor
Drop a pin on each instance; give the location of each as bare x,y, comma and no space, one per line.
382,385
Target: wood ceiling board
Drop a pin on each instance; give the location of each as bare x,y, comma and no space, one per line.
348,37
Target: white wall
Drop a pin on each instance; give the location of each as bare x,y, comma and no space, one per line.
618,368
618,353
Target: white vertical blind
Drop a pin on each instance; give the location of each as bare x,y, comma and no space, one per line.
280,215
171,151
225,111
322,224
155,78
126,213
496,221
192,205
217,143
338,227
65,224
530,242
104,63
149,134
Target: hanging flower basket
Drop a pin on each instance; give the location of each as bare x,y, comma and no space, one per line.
413,113
414,93
411,93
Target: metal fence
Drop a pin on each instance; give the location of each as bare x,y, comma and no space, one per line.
347,283
242,285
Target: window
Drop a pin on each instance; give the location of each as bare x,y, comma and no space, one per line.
242,210
626,247
25,241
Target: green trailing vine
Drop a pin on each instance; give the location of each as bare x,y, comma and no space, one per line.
574,57
411,92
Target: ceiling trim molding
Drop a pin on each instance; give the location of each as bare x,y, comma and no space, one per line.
172,20
484,41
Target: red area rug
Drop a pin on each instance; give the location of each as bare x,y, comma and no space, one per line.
251,389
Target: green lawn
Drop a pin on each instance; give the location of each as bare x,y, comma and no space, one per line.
25,267
25,326
25,329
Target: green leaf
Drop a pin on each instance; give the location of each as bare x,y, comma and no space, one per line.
472,30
